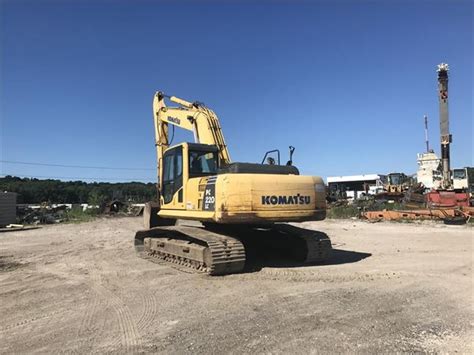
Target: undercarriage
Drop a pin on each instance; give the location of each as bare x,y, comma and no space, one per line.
222,249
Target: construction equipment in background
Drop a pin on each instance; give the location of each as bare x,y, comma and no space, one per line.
463,180
397,183
233,201
430,171
446,137
445,195
395,187
449,195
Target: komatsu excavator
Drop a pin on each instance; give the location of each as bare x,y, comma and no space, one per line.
233,201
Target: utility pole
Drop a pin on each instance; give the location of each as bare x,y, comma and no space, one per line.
446,137
426,135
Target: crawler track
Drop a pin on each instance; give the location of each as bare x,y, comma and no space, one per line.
305,246
315,247
219,250
215,254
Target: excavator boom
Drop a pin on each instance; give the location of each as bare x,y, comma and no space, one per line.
194,117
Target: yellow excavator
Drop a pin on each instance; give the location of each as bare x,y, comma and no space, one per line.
233,201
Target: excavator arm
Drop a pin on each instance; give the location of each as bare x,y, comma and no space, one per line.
194,117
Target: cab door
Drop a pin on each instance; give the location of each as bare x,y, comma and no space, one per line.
172,183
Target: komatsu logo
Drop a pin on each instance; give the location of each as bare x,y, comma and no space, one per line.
174,119
286,200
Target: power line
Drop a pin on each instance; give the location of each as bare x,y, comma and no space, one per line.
73,166
74,177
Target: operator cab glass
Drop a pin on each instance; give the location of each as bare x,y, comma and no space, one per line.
459,174
172,173
202,163
395,179
199,159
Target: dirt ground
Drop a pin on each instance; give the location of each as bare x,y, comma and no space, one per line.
389,287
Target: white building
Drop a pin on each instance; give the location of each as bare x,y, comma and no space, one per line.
355,186
429,170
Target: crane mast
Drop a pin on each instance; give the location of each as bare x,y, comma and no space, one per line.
446,138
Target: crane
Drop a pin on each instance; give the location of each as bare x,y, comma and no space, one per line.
447,195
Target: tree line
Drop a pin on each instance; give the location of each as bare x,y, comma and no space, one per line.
37,191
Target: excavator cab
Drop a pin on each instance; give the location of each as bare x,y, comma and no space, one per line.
180,164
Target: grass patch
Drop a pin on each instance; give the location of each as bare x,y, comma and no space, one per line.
77,215
354,210
340,212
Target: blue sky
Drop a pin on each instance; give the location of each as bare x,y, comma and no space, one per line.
345,82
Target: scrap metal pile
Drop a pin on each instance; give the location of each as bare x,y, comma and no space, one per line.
58,213
410,208
44,214
458,215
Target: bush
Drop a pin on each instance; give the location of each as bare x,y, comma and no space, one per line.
339,212
77,215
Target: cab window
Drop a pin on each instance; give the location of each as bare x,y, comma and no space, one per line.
172,173
459,174
202,163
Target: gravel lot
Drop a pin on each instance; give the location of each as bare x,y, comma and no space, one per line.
390,287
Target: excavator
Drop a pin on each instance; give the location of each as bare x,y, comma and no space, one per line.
232,201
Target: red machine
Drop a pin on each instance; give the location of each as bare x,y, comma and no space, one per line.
445,198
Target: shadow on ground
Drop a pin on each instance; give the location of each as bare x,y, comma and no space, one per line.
7,263
281,245
264,252
257,261
340,256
